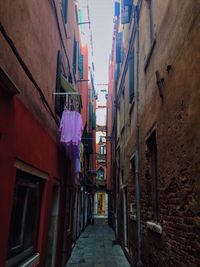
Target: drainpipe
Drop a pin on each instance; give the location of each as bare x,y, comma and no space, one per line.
137,153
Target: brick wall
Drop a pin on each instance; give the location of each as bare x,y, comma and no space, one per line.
174,116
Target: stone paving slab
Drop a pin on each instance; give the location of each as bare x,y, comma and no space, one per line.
94,248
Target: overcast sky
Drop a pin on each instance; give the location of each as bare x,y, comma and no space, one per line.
101,18
101,14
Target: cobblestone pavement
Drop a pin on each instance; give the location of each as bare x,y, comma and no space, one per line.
94,249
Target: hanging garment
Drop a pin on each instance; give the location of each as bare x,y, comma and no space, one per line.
71,127
78,128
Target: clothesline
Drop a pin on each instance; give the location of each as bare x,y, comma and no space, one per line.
66,93
69,102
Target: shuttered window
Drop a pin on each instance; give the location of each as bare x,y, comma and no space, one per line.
74,55
118,47
91,114
127,2
152,167
126,8
94,120
151,23
80,63
23,234
117,9
58,82
59,99
64,9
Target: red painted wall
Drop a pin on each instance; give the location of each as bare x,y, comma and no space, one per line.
27,130
23,138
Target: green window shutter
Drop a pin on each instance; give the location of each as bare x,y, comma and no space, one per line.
80,18
65,9
94,120
74,55
91,114
81,68
91,111
80,63
118,47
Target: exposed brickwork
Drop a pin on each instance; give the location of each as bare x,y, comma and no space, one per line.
175,119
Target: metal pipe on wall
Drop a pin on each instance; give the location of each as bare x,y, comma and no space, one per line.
137,153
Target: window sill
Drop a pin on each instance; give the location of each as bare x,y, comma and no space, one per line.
31,261
153,226
147,60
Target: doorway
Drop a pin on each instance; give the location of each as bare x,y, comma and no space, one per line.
125,215
101,204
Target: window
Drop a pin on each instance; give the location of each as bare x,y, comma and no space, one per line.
74,55
100,173
80,63
126,9
150,22
118,47
64,9
131,77
24,224
118,118
63,85
117,72
91,114
118,170
122,112
103,150
59,100
152,169
133,166
132,204
117,9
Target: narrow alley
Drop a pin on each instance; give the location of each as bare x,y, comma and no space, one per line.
99,133
96,247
